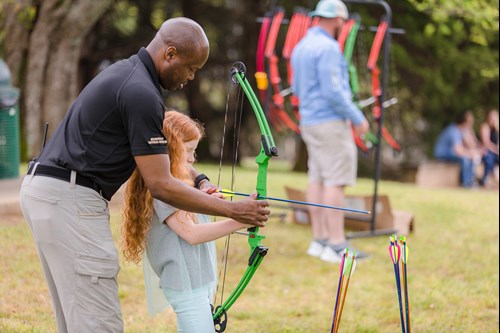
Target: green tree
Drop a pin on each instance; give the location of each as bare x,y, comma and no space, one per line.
447,61
444,63
42,44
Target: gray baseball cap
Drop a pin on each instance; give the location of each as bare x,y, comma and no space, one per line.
331,9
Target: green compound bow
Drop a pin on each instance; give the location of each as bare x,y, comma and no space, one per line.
267,150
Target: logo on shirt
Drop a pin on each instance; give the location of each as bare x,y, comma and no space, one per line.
157,141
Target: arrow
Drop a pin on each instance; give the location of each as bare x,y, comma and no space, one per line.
228,192
339,291
348,270
402,239
395,252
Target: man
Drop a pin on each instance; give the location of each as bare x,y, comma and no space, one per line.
114,126
457,143
321,82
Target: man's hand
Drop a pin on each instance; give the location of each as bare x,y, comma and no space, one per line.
362,128
251,211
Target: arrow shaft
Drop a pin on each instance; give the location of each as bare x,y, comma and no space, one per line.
300,202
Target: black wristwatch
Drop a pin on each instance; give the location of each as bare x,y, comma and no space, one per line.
198,180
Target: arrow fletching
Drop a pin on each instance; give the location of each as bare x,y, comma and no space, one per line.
342,263
353,266
392,251
347,266
406,250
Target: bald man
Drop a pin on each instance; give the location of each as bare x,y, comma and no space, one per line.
113,126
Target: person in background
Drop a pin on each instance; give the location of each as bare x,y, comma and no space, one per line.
455,144
113,127
489,139
177,245
321,83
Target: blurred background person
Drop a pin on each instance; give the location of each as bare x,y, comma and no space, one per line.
489,139
456,144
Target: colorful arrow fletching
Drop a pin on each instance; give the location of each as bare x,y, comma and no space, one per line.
342,263
406,250
399,251
392,251
347,266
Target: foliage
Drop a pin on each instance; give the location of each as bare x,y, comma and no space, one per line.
448,60
445,62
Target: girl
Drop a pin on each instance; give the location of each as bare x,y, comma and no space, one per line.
177,245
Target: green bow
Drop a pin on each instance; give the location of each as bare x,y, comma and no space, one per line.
267,150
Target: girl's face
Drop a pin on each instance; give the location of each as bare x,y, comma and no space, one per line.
190,147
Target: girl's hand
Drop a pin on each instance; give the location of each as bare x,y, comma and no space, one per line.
215,193
207,187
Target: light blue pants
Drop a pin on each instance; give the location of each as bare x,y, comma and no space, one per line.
192,309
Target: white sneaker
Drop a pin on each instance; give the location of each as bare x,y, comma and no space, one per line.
315,249
329,255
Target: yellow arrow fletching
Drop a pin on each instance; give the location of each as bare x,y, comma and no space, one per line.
227,192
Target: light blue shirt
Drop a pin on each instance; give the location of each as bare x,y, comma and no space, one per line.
447,140
179,265
321,80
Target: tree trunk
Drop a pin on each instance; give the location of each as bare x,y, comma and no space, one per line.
16,25
53,52
17,30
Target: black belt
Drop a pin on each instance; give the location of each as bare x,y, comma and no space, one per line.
64,174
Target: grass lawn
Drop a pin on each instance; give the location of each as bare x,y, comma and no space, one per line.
453,270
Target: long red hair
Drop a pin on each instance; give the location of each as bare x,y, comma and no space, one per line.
138,203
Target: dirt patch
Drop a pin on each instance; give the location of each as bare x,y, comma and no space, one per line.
11,220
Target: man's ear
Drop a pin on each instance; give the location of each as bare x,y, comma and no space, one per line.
170,53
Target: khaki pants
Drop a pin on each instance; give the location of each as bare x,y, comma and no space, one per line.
333,159
70,226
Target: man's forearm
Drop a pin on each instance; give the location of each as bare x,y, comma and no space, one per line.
190,199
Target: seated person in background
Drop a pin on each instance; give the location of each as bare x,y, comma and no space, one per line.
451,146
470,139
489,139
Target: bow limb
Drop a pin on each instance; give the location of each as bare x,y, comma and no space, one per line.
299,24
299,20
347,40
260,74
278,102
344,32
267,150
376,89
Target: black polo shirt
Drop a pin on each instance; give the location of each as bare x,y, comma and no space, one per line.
118,115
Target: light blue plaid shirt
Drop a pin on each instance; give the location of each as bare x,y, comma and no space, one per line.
321,80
